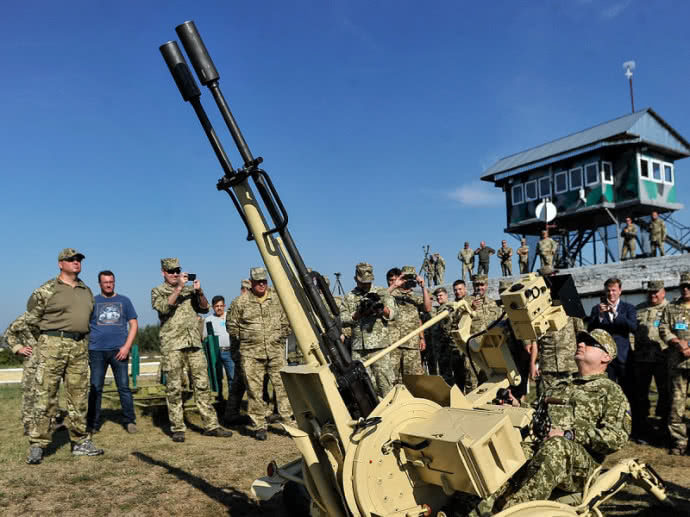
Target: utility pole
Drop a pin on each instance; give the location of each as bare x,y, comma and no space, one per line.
629,66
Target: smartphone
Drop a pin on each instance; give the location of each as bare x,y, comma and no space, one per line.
191,277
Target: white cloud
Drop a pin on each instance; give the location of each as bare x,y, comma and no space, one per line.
611,12
477,193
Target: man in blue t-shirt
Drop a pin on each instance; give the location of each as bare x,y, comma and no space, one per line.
110,340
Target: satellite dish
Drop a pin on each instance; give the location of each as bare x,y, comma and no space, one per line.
546,211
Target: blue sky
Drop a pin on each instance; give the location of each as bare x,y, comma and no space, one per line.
375,120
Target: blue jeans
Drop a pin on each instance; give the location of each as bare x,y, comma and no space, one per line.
229,366
99,361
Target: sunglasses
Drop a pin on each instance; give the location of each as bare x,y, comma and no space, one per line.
72,259
594,344
175,271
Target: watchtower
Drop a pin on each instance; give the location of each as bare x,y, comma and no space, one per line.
596,178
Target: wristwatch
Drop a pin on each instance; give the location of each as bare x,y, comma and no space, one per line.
569,435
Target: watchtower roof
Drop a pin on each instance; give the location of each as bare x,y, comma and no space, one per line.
642,126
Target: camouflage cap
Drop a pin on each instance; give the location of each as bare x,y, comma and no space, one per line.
69,252
258,273
246,283
170,263
480,279
685,277
654,286
601,337
409,270
364,273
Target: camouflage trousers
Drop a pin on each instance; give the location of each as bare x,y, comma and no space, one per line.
507,268
680,382
656,245
381,372
524,267
193,360
643,373
559,463
59,358
254,369
548,379
628,249
438,277
546,259
237,387
467,269
406,361
28,395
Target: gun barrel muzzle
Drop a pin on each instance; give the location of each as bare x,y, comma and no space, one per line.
196,50
180,71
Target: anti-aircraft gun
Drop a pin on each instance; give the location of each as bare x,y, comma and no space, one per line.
414,451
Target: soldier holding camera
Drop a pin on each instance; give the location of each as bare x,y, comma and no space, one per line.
177,305
368,310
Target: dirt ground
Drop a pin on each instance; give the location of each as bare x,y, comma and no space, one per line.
147,474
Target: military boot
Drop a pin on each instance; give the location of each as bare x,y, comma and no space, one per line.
35,455
86,448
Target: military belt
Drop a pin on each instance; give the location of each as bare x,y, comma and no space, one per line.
77,336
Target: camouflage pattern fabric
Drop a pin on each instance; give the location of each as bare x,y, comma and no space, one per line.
675,323
505,255
556,348
427,270
60,358
466,257
487,312
444,347
16,335
523,253
381,372
657,236
180,326
595,409
190,360
546,249
407,358
238,387
439,269
629,233
258,329
369,332
254,369
405,361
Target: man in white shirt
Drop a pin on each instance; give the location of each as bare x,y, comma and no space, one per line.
217,323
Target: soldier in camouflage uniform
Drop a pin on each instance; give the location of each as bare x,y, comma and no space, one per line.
523,254
650,359
466,258
60,309
546,249
428,269
657,235
556,355
486,312
505,255
177,305
442,342
439,269
370,325
674,330
629,234
484,253
237,387
258,326
407,359
590,419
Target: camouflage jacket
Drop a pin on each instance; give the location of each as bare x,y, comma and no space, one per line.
557,348
440,265
523,253
180,326
675,323
19,334
657,231
629,232
649,347
505,254
369,332
39,305
466,256
547,246
595,409
408,305
257,324
440,333
486,313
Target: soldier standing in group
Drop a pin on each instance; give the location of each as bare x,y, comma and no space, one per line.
60,310
546,249
629,233
466,258
441,341
486,312
237,387
439,269
177,306
407,359
674,330
428,269
657,234
650,359
523,253
505,255
368,310
258,327
484,252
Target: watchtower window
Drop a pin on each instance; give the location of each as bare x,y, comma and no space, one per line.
607,172
531,190
644,168
592,173
656,171
545,187
576,178
668,173
517,194
560,180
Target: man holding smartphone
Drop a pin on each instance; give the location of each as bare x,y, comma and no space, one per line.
177,305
